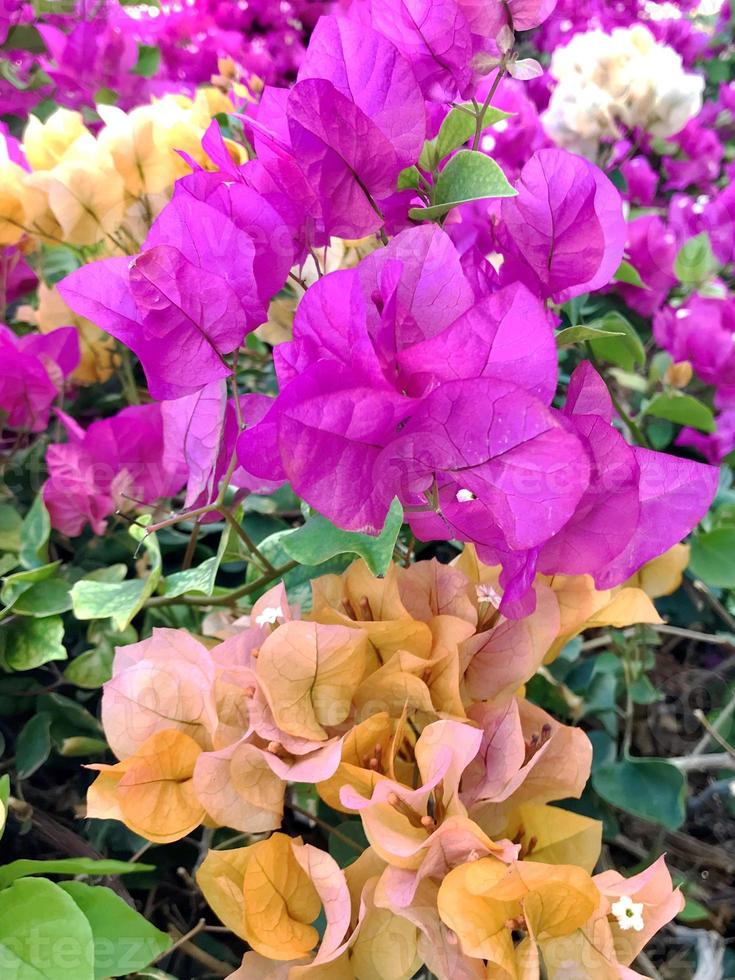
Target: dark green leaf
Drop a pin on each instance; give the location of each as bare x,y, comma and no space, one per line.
683,409
10,527
649,788
626,351
713,557
468,176
318,540
34,745
90,669
44,599
34,535
345,851
149,60
298,580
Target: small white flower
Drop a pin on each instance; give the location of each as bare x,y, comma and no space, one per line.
269,616
465,496
486,593
628,913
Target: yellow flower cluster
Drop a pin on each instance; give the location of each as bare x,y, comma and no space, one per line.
100,193
86,190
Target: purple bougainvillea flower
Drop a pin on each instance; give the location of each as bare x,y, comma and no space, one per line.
436,39
651,249
116,462
34,371
701,331
564,234
199,436
389,391
638,503
201,283
713,446
354,119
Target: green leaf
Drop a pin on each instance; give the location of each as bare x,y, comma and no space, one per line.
468,176
90,669
343,852
628,274
626,351
33,746
124,941
78,746
10,527
683,409
457,128
199,579
695,261
119,601
27,643
57,262
298,580
408,179
44,599
149,60
318,540
24,37
642,691
34,535
652,789
68,866
44,935
15,585
576,335
713,557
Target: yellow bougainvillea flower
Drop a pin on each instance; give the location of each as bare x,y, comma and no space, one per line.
554,836
152,791
485,902
13,216
309,673
146,165
286,884
45,144
98,360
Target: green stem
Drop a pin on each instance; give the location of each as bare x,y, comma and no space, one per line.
128,378
480,116
226,599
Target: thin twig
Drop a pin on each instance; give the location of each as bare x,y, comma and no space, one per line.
226,599
691,763
712,732
480,117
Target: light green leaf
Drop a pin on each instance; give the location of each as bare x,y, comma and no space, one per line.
713,557
123,940
90,669
649,788
628,274
10,527
468,176
67,866
457,128
44,935
683,409
34,535
576,335
695,261
78,746
318,540
626,351
122,601
199,579
408,179
27,643
15,585
33,746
